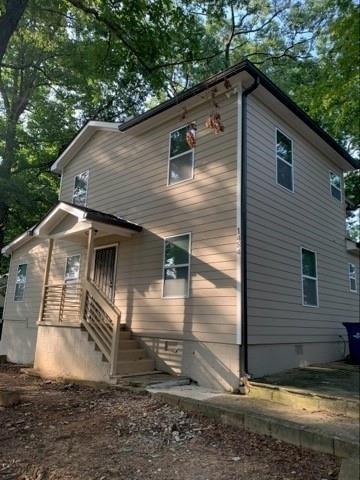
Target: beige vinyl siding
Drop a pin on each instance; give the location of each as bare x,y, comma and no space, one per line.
62,250
34,255
128,177
279,224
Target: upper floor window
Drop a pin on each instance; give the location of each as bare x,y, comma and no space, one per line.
181,156
335,185
309,278
72,268
20,282
352,278
353,224
176,268
284,161
81,184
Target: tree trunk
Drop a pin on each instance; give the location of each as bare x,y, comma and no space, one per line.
5,174
14,10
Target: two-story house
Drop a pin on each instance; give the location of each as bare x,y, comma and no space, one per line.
205,237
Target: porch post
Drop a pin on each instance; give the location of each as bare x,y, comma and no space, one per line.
89,257
90,253
46,276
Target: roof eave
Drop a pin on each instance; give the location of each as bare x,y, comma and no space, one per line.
251,69
82,136
18,242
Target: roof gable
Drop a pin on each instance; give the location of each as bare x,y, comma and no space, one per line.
83,135
66,216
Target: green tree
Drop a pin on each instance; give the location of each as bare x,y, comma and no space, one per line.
67,61
11,12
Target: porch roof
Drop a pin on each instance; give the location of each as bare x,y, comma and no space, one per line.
84,219
91,215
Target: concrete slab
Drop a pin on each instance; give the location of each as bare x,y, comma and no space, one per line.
320,431
305,399
154,378
337,379
350,469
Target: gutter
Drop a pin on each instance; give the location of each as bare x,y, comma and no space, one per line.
243,348
251,69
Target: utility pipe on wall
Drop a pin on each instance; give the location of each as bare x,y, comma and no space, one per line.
243,350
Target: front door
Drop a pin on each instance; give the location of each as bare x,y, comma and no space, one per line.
104,270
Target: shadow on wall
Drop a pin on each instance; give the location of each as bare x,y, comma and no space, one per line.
208,353
18,341
205,206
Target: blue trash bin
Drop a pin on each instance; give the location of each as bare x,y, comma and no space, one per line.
353,330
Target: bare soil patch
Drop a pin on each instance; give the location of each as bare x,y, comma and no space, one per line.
63,431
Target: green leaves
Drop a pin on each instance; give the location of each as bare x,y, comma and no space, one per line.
73,60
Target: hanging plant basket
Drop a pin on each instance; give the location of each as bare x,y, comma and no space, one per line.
214,123
191,135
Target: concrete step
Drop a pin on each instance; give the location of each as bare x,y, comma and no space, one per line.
320,431
124,335
99,352
136,354
306,400
128,345
135,366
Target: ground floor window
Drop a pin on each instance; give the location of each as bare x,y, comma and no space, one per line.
20,282
309,278
176,267
352,278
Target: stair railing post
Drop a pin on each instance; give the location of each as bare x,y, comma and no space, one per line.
62,302
87,273
46,278
115,345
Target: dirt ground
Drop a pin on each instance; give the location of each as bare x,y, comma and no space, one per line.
63,431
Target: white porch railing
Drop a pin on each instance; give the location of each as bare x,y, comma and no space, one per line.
83,303
75,303
101,319
61,303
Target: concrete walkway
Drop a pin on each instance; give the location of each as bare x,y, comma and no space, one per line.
338,379
317,430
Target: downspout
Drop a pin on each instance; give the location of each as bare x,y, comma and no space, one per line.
243,350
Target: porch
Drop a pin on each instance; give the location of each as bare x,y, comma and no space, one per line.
85,299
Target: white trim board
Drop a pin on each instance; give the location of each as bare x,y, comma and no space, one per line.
79,141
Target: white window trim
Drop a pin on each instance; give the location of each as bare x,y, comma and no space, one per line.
87,190
352,276
282,160
180,265
192,150
61,184
339,189
72,280
17,283
100,247
309,277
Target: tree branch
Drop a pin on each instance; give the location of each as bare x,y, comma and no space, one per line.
14,10
113,27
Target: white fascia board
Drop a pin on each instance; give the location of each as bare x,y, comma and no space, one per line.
17,243
81,138
50,221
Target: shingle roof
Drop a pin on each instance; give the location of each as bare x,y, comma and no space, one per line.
265,81
107,218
